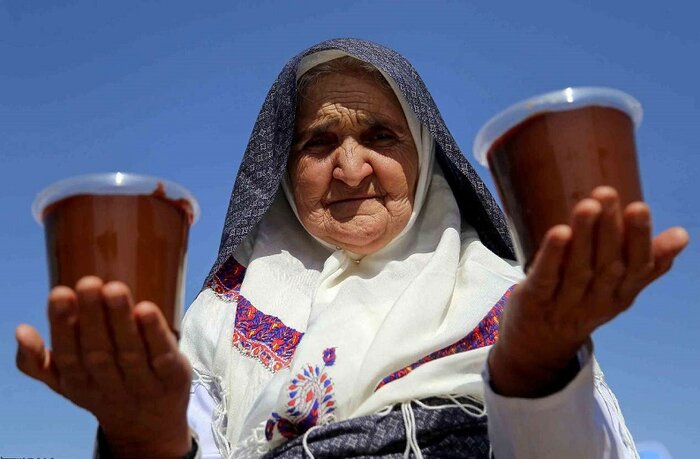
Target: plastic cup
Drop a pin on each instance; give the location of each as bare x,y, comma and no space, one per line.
118,226
549,152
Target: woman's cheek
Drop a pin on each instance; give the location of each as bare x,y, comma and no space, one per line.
400,171
397,185
311,183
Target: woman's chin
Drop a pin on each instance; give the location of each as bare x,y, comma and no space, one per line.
364,242
363,249
361,234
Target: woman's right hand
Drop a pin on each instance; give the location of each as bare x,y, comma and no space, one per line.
584,275
119,361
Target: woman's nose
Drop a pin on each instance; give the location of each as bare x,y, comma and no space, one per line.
352,163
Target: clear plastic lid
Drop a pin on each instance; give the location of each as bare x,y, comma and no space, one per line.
114,183
565,99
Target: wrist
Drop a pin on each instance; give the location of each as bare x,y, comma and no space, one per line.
511,375
175,443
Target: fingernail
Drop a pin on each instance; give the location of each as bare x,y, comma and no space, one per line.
683,233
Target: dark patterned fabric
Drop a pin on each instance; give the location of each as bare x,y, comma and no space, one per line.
227,280
265,158
444,433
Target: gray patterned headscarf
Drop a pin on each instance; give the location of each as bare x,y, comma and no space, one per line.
265,159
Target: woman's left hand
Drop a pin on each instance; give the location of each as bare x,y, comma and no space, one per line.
583,276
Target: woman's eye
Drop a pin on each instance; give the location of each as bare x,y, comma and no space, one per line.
318,141
381,137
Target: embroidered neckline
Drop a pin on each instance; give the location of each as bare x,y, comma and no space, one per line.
484,334
261,336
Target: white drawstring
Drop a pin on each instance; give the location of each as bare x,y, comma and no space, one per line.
386,411
409,421
305,444
475,408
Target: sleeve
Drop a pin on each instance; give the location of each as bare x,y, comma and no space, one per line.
583,420
202,414
203,326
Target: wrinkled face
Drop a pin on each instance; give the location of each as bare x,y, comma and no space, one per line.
353,164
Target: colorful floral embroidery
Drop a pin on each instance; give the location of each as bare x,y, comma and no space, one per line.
484,334
264,337
255,334
311,401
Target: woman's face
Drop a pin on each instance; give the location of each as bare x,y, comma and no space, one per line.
353,164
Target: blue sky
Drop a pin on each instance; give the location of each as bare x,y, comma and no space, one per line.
172,89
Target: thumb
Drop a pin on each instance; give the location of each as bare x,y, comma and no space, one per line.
33,359
666,247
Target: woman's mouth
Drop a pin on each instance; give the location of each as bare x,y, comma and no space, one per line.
353,199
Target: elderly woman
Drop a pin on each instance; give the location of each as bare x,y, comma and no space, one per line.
363,302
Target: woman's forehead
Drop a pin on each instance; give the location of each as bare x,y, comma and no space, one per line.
354,94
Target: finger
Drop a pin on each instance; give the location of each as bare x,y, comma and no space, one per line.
63,321
93,324
609,267
578,271
130,352
544,274
637,219
637,250
95,343
33,359
665,247
164,356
